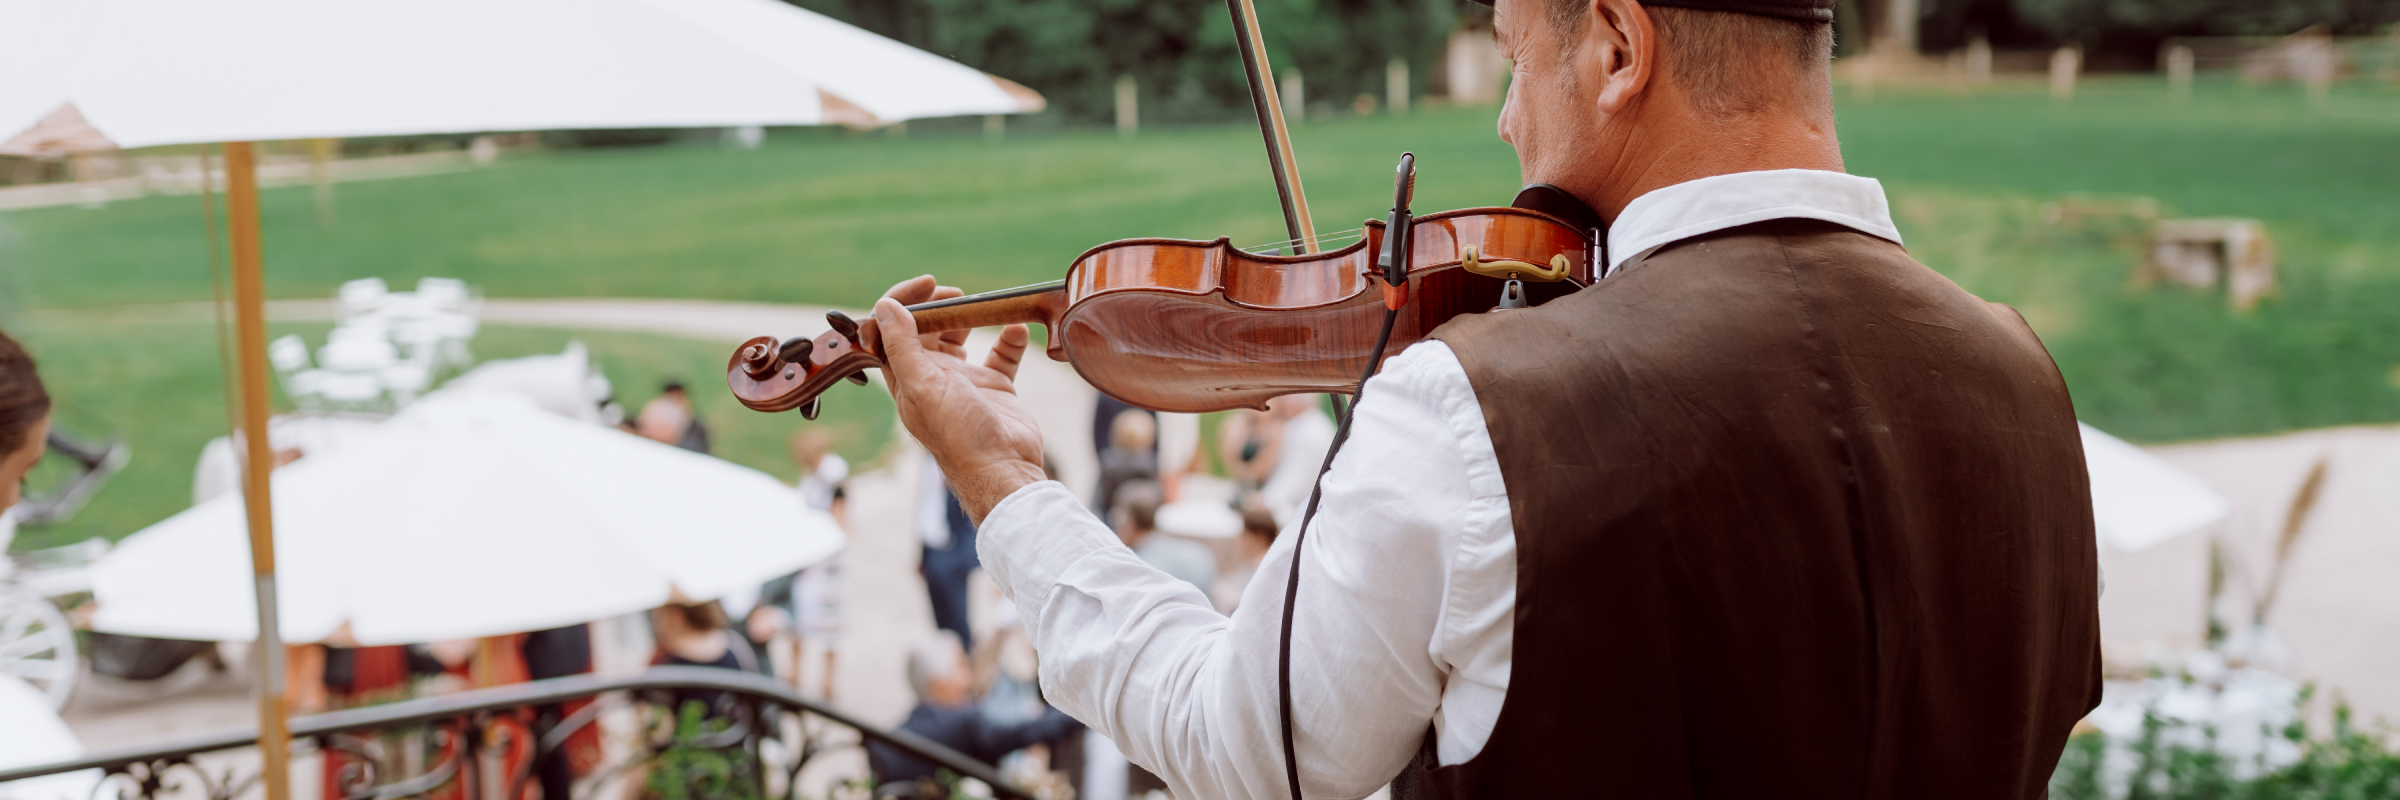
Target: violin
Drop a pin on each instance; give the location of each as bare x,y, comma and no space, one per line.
1191,326
1194,326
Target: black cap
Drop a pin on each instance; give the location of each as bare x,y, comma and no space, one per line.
1799,10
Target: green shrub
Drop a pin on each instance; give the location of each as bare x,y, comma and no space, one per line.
2349,763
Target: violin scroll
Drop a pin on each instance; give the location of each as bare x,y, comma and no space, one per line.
771,375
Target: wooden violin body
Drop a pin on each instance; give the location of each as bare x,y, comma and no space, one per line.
1189,326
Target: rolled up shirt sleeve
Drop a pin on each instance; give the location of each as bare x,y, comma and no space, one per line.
1405,591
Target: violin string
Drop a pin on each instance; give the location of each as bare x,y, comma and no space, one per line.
1327,237
1310,240
1270,247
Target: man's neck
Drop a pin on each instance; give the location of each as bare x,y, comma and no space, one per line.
1662,150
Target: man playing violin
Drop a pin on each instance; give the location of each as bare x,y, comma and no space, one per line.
1770,511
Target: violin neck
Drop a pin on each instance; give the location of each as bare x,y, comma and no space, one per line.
1041,303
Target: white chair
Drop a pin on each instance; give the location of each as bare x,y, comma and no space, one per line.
358,349
442,294
355,389
362,296
405,381
288,353
305,387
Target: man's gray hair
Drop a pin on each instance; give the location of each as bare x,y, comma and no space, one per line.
933,657
1709,52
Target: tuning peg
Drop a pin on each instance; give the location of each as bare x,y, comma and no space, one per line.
809,412
796,349
859,377
844,325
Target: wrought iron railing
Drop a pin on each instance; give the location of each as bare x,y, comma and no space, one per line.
704,753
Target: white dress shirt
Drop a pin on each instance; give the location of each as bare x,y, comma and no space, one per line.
1407,587
1306,437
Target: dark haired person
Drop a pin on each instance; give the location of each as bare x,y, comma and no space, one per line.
670,418
24,418
1770,511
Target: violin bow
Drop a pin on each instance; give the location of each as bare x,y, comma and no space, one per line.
1270,125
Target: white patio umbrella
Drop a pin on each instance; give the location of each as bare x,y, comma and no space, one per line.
134,73
471,513
31,734
2139,499
92,74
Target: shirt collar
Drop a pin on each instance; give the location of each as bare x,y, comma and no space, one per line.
1693,208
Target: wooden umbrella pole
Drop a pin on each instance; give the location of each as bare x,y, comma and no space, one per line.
258,461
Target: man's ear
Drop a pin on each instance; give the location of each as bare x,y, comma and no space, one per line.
1618,52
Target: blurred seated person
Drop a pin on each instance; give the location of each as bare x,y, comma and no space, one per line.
946,713
821,469
558,653
806,605
670,419
1277,452
1131,454
1249,548
696,634
24,419
816,600
1136,519
1178,452
458,665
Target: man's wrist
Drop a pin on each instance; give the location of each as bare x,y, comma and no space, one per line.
981,489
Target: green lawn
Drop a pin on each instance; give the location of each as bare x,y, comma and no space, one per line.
165,397
831,217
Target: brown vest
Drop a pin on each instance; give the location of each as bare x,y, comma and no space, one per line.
1796,517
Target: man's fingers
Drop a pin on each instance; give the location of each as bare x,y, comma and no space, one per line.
908,292
990,380
953,342
903,355
1009,352
914,290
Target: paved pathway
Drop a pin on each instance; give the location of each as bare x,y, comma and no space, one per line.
2338,609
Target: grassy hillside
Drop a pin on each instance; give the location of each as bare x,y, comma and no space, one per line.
2021,199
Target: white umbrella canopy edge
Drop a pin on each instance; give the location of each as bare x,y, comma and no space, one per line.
168,72
2140,500
708,525
140,73
860,71
732,528
343,543
173,580
35,71
459,521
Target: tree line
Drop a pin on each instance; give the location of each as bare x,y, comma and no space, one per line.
2136,27
1180,53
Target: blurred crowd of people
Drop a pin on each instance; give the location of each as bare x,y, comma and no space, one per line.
1158,492
974,677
